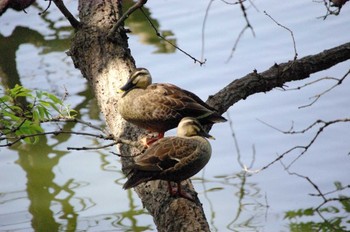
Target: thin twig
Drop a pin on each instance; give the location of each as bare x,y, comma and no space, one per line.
311,83
136,144
44,11
320,194
13,130
203,27
337,4
72,20
317,96
138,5
175,46
69,119
91,148
126,156
305,147
247,26
21,137
290,31
331,192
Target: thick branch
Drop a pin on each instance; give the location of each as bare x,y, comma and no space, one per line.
277,76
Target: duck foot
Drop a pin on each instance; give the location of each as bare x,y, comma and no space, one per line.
177,191
150,139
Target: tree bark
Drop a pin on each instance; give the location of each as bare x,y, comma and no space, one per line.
106,64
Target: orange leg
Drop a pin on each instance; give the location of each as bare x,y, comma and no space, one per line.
148,141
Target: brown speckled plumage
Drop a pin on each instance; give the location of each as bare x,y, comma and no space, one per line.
175,158
160,107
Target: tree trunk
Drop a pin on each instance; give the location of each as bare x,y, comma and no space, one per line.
106,65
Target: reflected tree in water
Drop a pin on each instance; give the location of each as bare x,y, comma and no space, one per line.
39,167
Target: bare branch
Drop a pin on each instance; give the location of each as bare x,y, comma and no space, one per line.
290,31
277,76
203,27
72,20
243,166
236,43
135,144
44,11
312,82
75,120
320,194
91,148
21,137
138,5
247,26
307,146
338,4
331,192
174,45
317,96
13,130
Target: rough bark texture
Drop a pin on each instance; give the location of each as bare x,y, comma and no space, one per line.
106,65
277,75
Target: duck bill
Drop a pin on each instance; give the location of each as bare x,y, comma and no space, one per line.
126,88
205,134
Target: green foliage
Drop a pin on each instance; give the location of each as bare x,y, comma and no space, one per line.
332,218
22,111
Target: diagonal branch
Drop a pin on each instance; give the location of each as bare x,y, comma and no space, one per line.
137,5
72,20
277,76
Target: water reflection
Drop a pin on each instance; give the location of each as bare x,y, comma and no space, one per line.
9,46
139,26
331,215
250,209
55,206
48,205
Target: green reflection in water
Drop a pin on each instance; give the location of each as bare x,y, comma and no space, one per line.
41,188
139,26
251,207
52,206
332,215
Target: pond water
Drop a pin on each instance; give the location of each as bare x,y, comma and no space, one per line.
45,187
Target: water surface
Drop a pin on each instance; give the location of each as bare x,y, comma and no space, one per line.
44,187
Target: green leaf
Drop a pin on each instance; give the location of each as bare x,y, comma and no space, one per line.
4,99
55,107
72,113
338,185
345,201
54,98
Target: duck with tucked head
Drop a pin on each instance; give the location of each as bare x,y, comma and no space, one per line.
174,158
159,107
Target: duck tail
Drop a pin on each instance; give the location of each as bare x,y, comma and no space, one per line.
217,118
135,179
212,117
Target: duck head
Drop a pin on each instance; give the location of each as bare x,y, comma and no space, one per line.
191,127
140,78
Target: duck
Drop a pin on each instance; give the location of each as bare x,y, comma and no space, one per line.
159,107
173,158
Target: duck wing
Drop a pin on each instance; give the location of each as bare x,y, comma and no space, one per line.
185,103
165,154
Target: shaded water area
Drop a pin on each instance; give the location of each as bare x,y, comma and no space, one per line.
45,187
